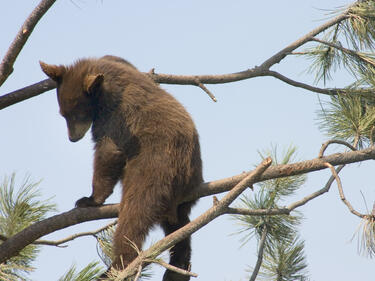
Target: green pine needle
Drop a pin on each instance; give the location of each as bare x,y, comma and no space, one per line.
348,118
19,208
284,261
90,272
105,245
279,227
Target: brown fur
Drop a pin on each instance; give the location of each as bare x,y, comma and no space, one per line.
144,138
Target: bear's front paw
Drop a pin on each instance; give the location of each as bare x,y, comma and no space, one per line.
86,202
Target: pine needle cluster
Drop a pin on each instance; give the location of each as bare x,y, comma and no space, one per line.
19,208
276,235
349,45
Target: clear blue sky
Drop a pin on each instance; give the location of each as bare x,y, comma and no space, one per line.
184,37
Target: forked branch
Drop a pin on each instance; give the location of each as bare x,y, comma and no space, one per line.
201,80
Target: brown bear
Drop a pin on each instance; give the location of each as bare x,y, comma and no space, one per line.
143,137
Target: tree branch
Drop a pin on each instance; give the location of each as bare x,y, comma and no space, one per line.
173,268
26,93
262,70
346,51
74,236
260,254
14,244
315,194
296,44
327,143
341,192
17,242
286,170
6,66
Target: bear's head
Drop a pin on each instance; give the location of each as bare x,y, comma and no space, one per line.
76,90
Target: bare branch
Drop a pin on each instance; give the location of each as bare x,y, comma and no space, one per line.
260,254
6,66
203,87
258,212
286,170
262,70
26,93
325,91
341,192
173,268
315,194
74,236
327,143
308,37
138,275
14,244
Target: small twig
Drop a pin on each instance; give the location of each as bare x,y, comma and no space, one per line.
346,51
372,135
215,201
74,236
341,192
138,275
260,254
327,143
173,268
258,212
304,39
326,91
315,194
6,66
204,88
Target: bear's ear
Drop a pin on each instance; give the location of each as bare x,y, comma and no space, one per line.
92,82
55,72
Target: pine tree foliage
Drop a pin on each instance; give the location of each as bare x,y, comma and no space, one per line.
280,229
284,261
19,208
349,45
348,118
91,272
104,246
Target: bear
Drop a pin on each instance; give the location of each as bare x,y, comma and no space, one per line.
144,138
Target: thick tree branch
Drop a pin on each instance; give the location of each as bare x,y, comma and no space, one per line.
27,236
26,93
279,171
16,243
6,66
200,80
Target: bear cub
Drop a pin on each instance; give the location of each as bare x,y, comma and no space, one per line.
143,138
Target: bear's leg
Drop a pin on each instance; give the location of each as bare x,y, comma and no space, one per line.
135,221
179,254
